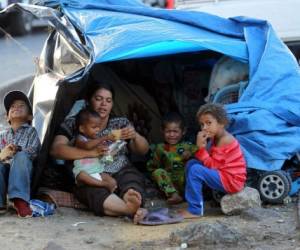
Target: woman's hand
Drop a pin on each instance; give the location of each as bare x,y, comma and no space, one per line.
109,182
8,152
128,133
201,139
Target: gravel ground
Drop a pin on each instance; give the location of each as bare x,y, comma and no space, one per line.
271,227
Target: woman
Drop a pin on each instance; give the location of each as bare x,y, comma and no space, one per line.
127,198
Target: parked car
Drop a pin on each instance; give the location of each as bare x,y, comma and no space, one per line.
282,15
17,22
168,4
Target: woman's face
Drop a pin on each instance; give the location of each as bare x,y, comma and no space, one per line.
102,102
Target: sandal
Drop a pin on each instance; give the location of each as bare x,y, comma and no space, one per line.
160,217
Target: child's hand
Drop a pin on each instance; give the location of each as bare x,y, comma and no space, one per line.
186,155
100,150
109,182
8,152
106,138
201,139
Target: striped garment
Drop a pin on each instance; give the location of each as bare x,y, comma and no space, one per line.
26,137
229,161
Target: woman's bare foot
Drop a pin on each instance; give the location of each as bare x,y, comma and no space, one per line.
187,215
175,199
132,201
131,192
140,215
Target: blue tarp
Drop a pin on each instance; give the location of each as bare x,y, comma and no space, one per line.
267,117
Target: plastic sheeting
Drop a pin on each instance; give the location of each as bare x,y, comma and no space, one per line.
266,119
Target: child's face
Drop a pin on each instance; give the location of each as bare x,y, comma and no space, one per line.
19,111
210,126
91,127
173,133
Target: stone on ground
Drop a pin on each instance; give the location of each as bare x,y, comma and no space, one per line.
233,204
206,235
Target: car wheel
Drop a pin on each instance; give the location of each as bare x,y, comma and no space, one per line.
21,24
274,186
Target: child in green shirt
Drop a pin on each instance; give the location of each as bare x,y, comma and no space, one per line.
167,160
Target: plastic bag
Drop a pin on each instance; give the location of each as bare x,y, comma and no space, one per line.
41,208
113,149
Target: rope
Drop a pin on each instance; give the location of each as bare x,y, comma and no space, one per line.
27,51
21,46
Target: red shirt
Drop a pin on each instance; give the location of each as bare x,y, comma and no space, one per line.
229,161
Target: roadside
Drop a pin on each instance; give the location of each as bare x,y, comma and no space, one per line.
271,227
18,55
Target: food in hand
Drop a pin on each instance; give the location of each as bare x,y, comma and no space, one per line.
116,133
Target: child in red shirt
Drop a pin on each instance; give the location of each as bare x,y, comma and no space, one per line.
222,167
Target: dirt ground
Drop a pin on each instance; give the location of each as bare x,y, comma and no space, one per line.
271,227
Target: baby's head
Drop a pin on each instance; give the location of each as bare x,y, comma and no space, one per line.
212,118
173,128
88,123
18,107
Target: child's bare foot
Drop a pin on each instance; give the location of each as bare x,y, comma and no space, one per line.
140,215
175,199
187,215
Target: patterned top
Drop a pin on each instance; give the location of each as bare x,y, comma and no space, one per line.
26,137
169,157
121,160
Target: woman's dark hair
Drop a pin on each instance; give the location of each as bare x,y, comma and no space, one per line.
215,110
95,86
173,117
83,116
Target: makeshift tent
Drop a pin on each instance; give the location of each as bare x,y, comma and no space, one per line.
266,118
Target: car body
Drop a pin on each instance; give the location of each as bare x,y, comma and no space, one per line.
168,4
282,15
17,22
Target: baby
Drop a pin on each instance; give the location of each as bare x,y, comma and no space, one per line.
90,171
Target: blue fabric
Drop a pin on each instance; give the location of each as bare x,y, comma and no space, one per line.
15,179
41,208
196,176
266,119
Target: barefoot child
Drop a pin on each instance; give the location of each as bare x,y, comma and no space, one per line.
90,171
168,159
19,145
222,167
